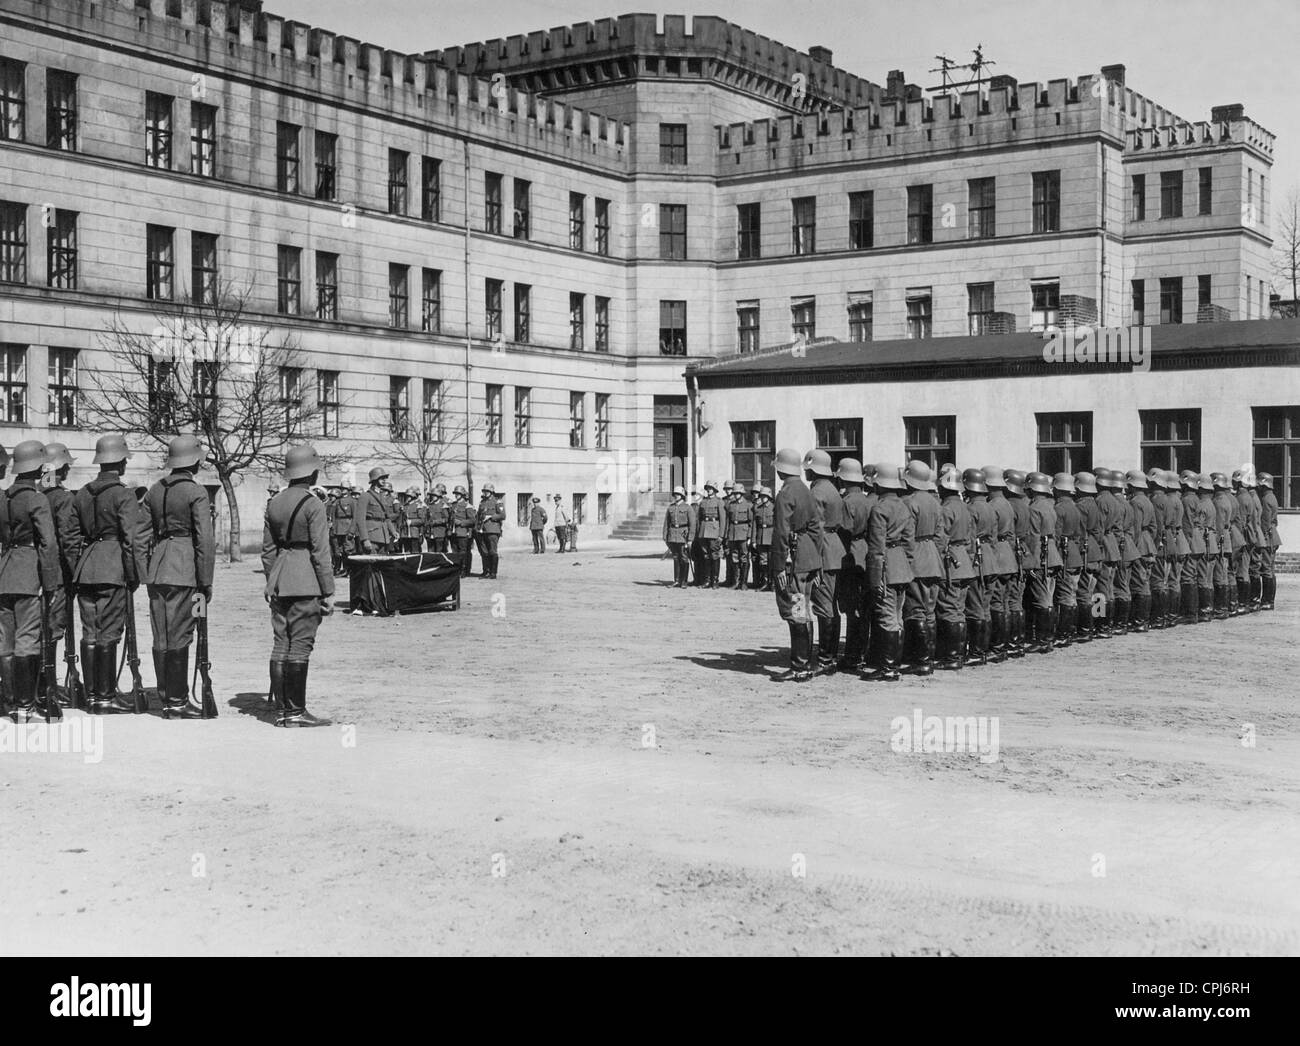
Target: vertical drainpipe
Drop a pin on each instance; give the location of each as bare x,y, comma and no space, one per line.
1103,315
469,468
692,445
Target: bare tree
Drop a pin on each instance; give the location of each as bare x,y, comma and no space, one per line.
430,443
210,369
1287,247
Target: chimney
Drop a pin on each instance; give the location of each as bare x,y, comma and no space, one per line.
1113,73
895,85
820,54
1002,80
1227,113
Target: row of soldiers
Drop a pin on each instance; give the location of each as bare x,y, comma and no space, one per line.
704,533
989,564
377,522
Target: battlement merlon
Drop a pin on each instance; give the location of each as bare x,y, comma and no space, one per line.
644,35
234,37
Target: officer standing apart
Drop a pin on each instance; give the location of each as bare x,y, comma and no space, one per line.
110,538
29,567
890,549
179,575
371,519
56,464
709,523
796,559
537,520
299,587
491,514
817,470
679,534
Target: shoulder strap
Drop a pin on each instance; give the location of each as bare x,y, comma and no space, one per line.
288,530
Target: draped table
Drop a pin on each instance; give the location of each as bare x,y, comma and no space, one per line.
388,585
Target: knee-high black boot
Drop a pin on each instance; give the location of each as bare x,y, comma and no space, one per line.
275,695
1268,593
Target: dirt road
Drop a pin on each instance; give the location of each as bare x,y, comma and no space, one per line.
583,760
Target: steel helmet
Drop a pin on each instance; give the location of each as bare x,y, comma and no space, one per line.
487,489
1039,482
441,488
889,477
1015,480
1134,478
678,492
728,485
301,461
762,492
1220,480
850,471
1171,480
29,456
974,481
1189,479
1265,479
1085,483
1063,482
111,449
460,491
993,476
818,462
708,485
1204,481
950,479
183,451
1155,477
56,456
788,462
738,488
917,476
1103,478
377,473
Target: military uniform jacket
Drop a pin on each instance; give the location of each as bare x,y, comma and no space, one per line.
490,515
764,518
411,519
30,560
1193,528
796,529
372,519
1004,533
437,518
1093,548
1042,531
1250,513
296,547
984,524
1240,524
184,547
1128,549
1207,520
891,544
710,517
1225,522
110,534
832,511
1020,506
1069,533
853,528
1111,513
462,519
1268,518
1172,530
740,519
953,537
60,500
537,518
679,524
1145,526
924,509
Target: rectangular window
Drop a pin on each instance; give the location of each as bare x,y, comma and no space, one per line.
579,509
523,416
982,197
327,286
327,148
979,307
162,395
399,296
431,411
203,140
291,400
748,235
13,384
430,189
803,318
602,421
1045,304
672,143
602,227
1064,442
862,208
1204,292
287,156
1139,303
920,214
577,420
13,100
398,162
1276,445
1171,300
932,440
523,313
672,328
399,409
1047,201
577,321
602,508
840,438
492,413
289,280
523,508
804,229
63,389
431,300
747,326
492,202
327,402
860,316
61,110
492,308
61,255
753,452
160,263
672,231
158,130
919,312
577,221
1171,439
203,268
602,324
1171,194
204,385
523,209
1139,197
1205,190
13,242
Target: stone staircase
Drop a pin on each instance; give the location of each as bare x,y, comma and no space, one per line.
640,528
